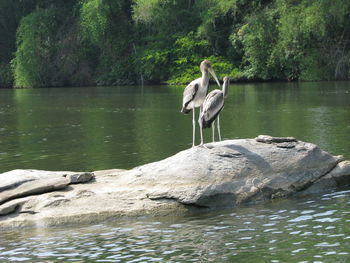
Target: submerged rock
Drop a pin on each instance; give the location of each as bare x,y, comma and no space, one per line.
221,174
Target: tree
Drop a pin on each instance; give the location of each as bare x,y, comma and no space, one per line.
117,42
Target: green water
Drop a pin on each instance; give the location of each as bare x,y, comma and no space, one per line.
122,127
311,230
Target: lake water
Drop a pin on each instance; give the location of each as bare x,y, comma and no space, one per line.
299,230
121,127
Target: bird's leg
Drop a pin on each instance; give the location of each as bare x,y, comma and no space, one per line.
193,127
213,129
200,123
218,124
201,128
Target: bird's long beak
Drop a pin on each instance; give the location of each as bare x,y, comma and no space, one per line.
211,71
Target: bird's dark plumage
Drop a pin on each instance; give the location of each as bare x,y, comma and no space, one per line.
188,95
212,106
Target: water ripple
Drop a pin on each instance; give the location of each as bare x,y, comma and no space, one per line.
315,229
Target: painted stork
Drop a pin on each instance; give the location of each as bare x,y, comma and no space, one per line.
195,92
212,106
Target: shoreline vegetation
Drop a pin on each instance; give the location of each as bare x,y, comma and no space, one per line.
128,42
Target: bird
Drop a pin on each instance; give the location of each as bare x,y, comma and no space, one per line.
195,92
212,106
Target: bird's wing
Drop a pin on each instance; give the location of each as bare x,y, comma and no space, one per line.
190,92
213,104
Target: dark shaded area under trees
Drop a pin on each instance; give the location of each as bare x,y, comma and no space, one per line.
120,42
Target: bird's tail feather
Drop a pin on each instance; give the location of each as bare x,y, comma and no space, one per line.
185,111
206,121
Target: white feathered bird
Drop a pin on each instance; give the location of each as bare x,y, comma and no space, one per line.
195,92
212,106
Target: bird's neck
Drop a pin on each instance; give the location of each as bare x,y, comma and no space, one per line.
205,78
225,88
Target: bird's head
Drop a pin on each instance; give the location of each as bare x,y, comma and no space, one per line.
206,67
205,64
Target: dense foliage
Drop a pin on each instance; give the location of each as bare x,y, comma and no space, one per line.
116,42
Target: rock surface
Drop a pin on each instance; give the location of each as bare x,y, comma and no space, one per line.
220,174
20,183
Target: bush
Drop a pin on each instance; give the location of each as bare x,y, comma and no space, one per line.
35,45
189,52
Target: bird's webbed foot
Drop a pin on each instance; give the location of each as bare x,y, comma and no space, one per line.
203,145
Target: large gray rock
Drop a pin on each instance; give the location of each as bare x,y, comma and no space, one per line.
220,174
20,183
231,172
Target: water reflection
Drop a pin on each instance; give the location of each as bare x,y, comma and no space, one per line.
122,127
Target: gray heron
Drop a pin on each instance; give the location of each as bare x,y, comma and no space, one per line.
212,106
195,92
